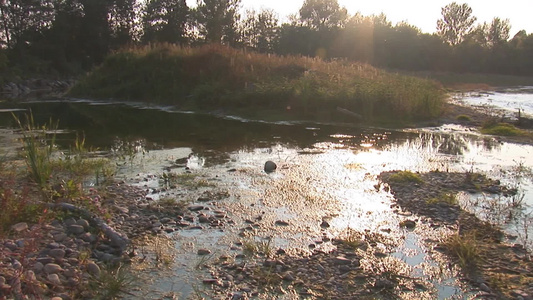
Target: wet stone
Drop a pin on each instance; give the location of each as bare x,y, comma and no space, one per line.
281,223
270,166
339,260
204,251
410,224
196,207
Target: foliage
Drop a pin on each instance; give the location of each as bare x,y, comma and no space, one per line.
456,23
16,207
504,129
69,37
259,30
165,21
464,118
406,177
212,77
321,14
216,20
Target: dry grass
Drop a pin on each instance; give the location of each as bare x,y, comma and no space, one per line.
214,77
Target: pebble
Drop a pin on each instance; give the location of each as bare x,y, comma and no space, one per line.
281,223
84,223
38,267
60,237
339,260
54,279
57,253
196,207
52,268
204,251
76,229
19,227
93,269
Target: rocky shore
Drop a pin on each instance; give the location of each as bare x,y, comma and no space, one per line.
504,268
35,87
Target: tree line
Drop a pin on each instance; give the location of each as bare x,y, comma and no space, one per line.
71,36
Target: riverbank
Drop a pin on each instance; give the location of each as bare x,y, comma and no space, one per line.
219,78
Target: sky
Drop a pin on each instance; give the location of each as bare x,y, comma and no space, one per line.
420,13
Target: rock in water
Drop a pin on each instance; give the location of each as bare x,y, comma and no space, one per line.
270,166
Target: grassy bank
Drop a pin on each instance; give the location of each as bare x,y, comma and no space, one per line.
221,78
473,81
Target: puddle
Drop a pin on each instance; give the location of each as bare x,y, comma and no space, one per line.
509,99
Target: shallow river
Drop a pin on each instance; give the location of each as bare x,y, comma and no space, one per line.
325,172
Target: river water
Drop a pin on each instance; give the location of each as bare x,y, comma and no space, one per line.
325,172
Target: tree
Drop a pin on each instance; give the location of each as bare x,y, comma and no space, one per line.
321,14
21,17
165,21
216,20
498,32
456,23
122,18
260,30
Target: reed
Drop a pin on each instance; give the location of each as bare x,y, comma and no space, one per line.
37,149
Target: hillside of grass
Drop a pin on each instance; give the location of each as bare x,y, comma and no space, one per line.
220,78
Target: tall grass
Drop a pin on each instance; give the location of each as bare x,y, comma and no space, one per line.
37,149
214,77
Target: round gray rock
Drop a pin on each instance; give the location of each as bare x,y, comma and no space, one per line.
270,166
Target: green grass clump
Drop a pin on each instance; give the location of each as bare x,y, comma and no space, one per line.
406,177
464,118
448,198
503,129
465,249
112,283
218,77
352,238
37,149
253,247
